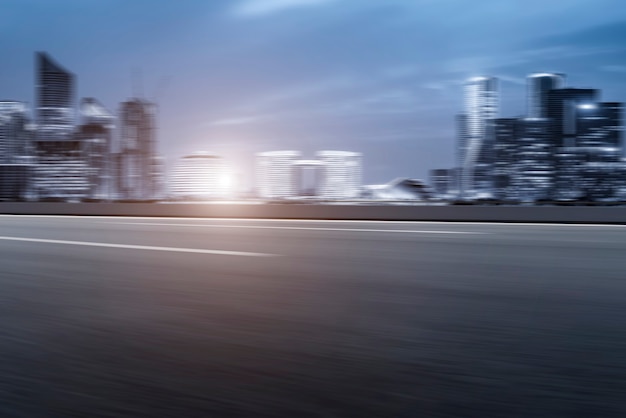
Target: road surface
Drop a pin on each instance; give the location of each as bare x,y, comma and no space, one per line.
151,317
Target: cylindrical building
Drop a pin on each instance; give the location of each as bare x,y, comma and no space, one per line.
539,85
201,175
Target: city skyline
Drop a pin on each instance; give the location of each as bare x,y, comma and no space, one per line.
386,91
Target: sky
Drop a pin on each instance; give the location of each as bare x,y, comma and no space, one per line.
380,77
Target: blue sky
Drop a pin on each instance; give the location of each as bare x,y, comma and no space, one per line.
382,77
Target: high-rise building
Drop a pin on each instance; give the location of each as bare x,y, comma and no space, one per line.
15,151
567,110
95,134
55,100
136,176
201,175
539,84
523,168
506,151
597,151
15,135
61,172
274,174
481,107
535,168
342,174
461,150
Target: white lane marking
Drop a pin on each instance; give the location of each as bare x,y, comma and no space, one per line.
356,221
299,228
138,247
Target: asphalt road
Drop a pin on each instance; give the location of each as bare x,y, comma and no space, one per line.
151,317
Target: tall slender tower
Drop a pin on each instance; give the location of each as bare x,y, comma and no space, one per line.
539,84
481,107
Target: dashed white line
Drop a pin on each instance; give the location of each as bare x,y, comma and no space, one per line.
139,247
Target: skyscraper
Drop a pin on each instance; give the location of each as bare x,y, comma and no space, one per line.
481,107
136,174
539,84
15,149
61,170
506,150
95,135
534,165
15,137
55,100
568,110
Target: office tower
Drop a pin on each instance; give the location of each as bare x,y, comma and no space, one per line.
587,143
274,174
61,172
481,107
506,150
136,160
342,174
15,135
600,125
523,168
95,135
15,151
538,86
201,175
567,110
55,100
534,165
599,150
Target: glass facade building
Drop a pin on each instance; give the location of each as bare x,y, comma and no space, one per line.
55,100
61,171
16,163
539,84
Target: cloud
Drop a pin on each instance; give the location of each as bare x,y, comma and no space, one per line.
245,120
259,8
614,68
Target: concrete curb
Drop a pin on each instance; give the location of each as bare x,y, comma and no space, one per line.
540,214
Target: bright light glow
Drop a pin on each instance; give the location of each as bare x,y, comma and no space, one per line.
226,184
587,106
